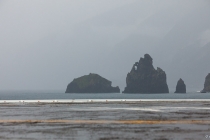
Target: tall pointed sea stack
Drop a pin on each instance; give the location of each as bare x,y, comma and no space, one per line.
143,78
180,87
92,83
207,84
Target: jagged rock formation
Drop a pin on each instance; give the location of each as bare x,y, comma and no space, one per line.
143,78
180,87
92,83
207,84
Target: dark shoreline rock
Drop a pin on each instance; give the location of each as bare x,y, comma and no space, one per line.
143,78
207,84
180,87
92,83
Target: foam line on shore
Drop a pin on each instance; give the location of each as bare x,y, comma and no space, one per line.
102,100
149,108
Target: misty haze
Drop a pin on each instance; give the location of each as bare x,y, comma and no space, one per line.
105,69
46,44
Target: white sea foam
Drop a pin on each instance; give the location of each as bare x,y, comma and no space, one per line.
101,100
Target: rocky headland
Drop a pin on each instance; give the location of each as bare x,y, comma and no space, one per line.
180,87
92,83
207,84
143,78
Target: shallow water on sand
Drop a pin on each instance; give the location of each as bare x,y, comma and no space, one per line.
106,121
41,95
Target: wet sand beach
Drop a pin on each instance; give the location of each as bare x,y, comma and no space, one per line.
137,120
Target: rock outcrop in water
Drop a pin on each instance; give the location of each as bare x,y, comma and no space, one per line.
207,84
180,87
92,83
143,78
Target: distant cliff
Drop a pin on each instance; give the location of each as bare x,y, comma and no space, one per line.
180,87
207,84
92,83
143,78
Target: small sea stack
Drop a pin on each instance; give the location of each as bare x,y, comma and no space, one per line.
180,87
207,84
144,78
92,83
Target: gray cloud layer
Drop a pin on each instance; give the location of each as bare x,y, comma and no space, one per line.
45,44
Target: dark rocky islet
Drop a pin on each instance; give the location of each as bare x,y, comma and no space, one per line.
143,78
92,83
207,84
180,87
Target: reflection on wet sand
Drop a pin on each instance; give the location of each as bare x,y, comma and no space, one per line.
105,121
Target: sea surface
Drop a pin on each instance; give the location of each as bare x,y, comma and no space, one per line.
47,95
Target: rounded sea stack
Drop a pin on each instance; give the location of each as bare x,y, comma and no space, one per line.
92,83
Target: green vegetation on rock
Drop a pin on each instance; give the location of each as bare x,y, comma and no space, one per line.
92,83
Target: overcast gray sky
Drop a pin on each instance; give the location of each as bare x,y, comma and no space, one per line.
44,45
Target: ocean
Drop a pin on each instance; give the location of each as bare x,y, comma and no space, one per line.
48,95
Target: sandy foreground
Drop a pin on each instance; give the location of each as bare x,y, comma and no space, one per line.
142,120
